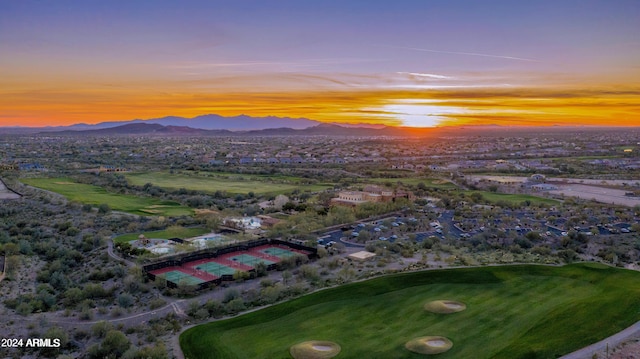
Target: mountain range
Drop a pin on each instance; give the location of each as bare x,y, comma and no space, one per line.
153,129
215,125
200,125
212,122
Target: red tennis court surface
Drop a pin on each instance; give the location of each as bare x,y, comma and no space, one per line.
213,269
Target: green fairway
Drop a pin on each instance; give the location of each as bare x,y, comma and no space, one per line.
516,199
512,312
414,181
171,232
95,195
230,183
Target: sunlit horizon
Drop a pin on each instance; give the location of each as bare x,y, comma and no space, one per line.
67,63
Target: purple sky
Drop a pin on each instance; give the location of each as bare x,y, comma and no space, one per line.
213,47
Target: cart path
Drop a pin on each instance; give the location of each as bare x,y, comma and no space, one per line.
613,341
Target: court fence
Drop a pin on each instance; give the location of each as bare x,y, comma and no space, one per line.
178,260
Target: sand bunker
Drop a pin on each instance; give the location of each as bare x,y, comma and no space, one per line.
445,306
429,345
150,211
315,349
322,348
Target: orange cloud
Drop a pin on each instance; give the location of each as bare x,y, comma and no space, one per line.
330,100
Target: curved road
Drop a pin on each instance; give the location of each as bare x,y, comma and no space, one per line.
612,342
113,255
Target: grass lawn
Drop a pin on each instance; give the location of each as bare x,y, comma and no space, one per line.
172,232
512,312
95,195
514,198
230,183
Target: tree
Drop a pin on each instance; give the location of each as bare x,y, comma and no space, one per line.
286,276
114,345
193,307
261,269
346,274
72,297
231,294
125,300
215,308
236,305
241,276
289,206
104,208
270,294
24,308
310,273
533,236
214,222
55,333
568,255
10,249
157,351
280,201
101,328
324,198
363,236
12,264
476,197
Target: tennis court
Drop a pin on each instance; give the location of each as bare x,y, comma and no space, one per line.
214,268
249,260
179,277
278,252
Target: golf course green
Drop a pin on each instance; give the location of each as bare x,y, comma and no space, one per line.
523,311
515,198
94,195
230,183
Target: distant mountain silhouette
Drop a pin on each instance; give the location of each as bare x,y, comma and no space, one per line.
145,129
131,128
150,129
211,122
216,125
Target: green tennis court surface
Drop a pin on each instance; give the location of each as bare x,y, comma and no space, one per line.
278,252
214,268
181,278
249,260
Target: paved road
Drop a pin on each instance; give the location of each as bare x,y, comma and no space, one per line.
113,255
601,346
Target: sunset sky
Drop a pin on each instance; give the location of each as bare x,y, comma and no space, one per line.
411,63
